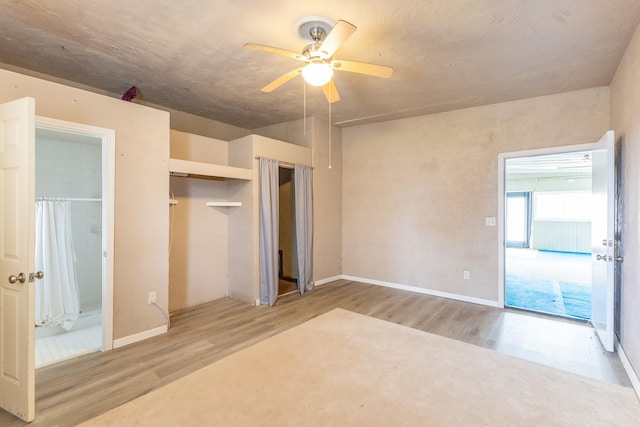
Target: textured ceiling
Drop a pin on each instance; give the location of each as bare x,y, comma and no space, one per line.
447,54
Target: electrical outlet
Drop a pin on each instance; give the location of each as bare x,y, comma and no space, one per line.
151,299
466,274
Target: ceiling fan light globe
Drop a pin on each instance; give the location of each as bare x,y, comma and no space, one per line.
317,74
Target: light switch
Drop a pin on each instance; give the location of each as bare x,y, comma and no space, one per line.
490,221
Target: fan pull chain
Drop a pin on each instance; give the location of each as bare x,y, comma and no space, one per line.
304,108
330,97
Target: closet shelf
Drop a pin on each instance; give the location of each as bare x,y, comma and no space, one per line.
223,204
178,167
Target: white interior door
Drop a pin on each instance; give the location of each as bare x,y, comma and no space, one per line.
603,241
17,229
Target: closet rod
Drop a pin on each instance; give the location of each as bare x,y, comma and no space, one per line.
283,164
67,199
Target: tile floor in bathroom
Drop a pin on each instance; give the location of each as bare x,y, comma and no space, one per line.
58,347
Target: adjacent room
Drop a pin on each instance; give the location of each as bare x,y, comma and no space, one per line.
210,210
548,234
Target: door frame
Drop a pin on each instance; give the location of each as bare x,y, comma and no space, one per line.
108,137
502,158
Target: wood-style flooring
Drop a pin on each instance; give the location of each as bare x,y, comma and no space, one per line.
79,389
286,286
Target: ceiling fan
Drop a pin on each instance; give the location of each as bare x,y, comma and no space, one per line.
325,39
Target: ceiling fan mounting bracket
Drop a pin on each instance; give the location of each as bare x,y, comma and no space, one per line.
314,28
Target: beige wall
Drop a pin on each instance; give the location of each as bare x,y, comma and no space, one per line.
416,191
327,188
191,123
188,146
327,200
625,120
141,187
243,225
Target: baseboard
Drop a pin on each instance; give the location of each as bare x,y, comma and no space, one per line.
431,292
327,280
121,342
635,381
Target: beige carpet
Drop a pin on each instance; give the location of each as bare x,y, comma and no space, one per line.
347,369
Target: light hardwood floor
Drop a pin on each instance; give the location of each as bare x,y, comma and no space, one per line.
79,389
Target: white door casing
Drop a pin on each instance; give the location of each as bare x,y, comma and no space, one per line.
604,197
17,256
603,240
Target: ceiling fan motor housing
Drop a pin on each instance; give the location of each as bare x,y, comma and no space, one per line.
314,54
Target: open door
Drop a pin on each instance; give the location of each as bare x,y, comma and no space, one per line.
603,244
17,192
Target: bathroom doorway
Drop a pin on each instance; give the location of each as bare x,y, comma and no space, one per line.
74,240
287,269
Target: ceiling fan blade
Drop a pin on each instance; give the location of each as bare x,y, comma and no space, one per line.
362,68
281,80
330,92
341,32
275,50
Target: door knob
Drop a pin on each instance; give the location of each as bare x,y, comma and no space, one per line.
601,257
33,276
19,278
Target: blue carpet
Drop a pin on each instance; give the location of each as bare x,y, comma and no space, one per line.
577,299
548,296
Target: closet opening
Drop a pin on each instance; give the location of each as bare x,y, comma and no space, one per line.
287,269
285,207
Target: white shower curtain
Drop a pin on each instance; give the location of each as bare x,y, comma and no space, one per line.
56,294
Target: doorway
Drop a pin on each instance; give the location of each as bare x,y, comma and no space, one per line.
287,269
74,240
547,255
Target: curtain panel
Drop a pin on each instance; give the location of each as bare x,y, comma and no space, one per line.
303,225
268,206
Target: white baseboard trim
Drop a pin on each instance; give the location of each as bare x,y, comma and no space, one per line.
121,342
635,381
431,292
327,280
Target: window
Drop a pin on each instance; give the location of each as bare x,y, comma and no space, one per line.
562,206
518,218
